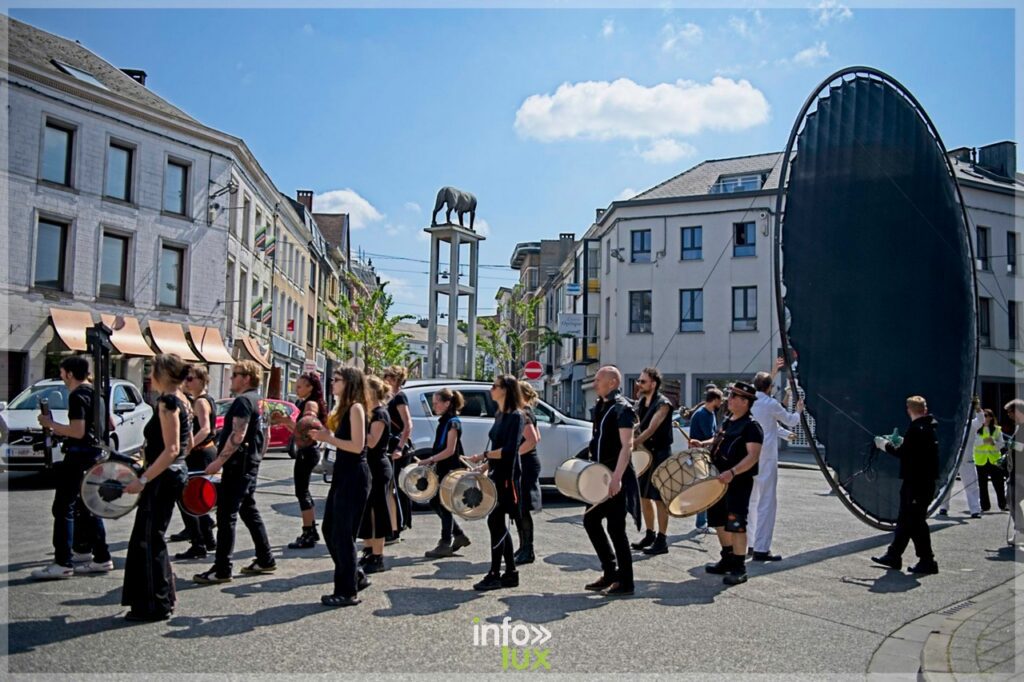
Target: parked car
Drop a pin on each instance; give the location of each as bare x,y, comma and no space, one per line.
561,437
21,436
279,436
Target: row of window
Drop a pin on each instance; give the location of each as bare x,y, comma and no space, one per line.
691,310
744,243
116,249
57,164
984,255
985,321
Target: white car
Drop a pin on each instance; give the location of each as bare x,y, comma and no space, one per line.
561,437
22,437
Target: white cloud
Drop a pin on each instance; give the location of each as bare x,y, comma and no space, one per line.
394,230
625,194
413,206
608,28
402,290
827,11
811,56
675,36
740,26
624,109
667,150
481,227
360,211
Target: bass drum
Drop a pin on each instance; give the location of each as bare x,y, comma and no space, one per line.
584,481
688,482
200,494
419,482
103,487
470,495
642,459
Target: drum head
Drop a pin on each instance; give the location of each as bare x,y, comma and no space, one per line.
677,477
103,489
697,498
199,496
418,482
474,496
642,460
594,482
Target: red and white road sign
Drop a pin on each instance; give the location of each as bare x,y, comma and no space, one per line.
533,370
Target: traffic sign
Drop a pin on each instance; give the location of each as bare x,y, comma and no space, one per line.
533,370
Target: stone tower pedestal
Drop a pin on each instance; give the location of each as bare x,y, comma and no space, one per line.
453,236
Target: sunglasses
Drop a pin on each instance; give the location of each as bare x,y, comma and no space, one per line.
238,374
190,378
334,379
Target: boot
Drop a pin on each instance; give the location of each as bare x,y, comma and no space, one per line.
660,545
374,564
723,564
525,554
307,540
646,542
365,555
737,574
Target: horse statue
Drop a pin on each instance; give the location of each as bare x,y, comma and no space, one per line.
458,201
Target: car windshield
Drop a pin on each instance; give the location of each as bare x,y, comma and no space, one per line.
57,394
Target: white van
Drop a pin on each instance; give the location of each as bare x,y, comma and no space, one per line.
561,437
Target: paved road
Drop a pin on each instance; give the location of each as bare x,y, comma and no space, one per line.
822,611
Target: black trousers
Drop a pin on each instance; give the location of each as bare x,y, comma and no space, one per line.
617,564
148,581
404,504
72,522
346,500
501,539
305,460
236,498
199,528
986,473
449,525
912,523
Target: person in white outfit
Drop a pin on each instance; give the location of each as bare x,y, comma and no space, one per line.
968,471
771,415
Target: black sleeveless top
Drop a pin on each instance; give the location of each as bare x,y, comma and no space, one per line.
345,459
506,435
199,445
379,451
301,404
155,436
397,423
446,423
662,438
529,419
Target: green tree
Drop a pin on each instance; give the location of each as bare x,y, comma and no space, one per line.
365,319
505,334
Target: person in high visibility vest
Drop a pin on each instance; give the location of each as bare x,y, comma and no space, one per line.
986,459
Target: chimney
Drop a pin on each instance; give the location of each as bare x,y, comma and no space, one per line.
962,154
305,197
567,236
999,158
137,75
598,213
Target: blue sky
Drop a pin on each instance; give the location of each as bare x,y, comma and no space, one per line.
544,114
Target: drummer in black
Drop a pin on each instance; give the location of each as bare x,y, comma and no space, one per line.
350,483
612,445
81,452
376,524
199,530
400,447
735,450
655,433
505,471
148,582
530,500
447,457
240,450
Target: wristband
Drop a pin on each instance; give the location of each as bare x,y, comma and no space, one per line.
143,479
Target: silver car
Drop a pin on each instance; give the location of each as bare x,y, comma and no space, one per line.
21,437
561,437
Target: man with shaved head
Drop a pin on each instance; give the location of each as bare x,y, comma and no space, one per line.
612,445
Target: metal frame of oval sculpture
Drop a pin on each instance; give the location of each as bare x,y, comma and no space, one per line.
870,141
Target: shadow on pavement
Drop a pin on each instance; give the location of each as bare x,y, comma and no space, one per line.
887,583
570,561
1002,554
455,570
28,635
248,586
236,624
425,601
549,607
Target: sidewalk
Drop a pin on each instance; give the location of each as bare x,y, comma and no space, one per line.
967,640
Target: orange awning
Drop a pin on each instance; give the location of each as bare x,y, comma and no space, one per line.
209,344
128,339
71,326
170,338
252,349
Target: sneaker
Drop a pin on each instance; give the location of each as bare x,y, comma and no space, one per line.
180,536
735,578
256,569
602,583
510,579
924,568
337,600
442,550
392,538
618,590
81,557
192,552
976,515
459,542
766,556
943,512
211,577
659,546
491,581
524,556
646,542
893,563
94,567
53,572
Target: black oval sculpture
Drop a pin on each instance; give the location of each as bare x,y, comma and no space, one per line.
875,284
